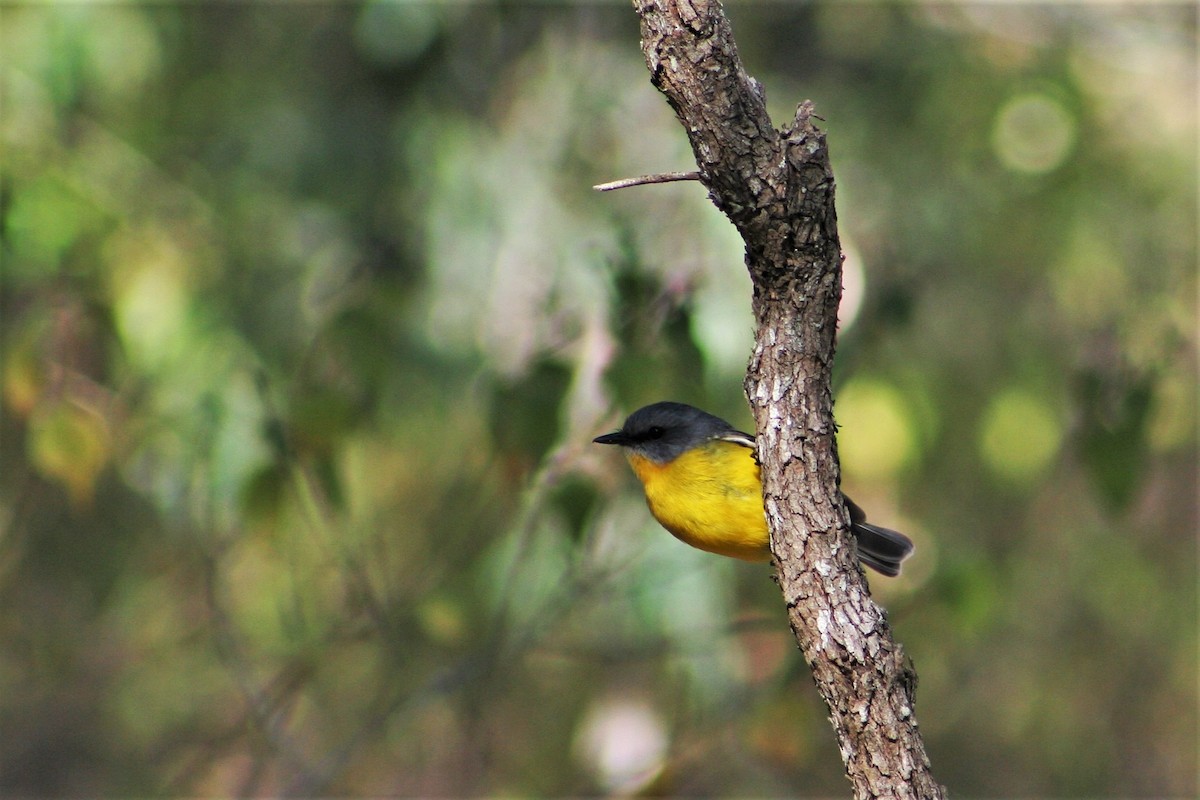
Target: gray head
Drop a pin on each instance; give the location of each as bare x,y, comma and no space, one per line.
663,431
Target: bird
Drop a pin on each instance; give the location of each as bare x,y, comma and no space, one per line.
703,483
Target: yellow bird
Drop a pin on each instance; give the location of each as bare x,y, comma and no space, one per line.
702,482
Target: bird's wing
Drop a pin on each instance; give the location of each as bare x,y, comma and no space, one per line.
737,437
744,439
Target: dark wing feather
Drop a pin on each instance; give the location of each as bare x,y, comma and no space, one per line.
880,548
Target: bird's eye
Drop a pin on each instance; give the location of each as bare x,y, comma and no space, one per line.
655,432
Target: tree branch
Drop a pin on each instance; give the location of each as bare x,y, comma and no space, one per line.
642,180
777,187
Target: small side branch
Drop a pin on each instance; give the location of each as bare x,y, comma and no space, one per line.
661,177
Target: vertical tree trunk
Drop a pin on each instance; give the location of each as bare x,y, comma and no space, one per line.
777,187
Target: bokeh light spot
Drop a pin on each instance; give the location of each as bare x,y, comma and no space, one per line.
622,742
123,52
1033,134
1019,435
150,295
854,285
395,33
877,437
44,221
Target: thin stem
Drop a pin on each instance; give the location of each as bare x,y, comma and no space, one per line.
661,177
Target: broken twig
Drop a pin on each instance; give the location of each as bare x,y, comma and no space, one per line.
662,177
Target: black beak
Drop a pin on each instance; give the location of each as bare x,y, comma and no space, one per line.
617,437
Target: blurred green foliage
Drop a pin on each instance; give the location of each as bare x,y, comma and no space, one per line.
309,315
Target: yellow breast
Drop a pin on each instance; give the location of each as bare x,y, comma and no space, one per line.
710,497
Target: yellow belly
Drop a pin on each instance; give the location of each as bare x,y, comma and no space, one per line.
711,498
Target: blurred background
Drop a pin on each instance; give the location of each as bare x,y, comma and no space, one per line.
309,315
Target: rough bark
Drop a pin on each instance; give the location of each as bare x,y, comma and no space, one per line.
777,187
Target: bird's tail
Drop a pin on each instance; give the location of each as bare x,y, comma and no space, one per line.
881,549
